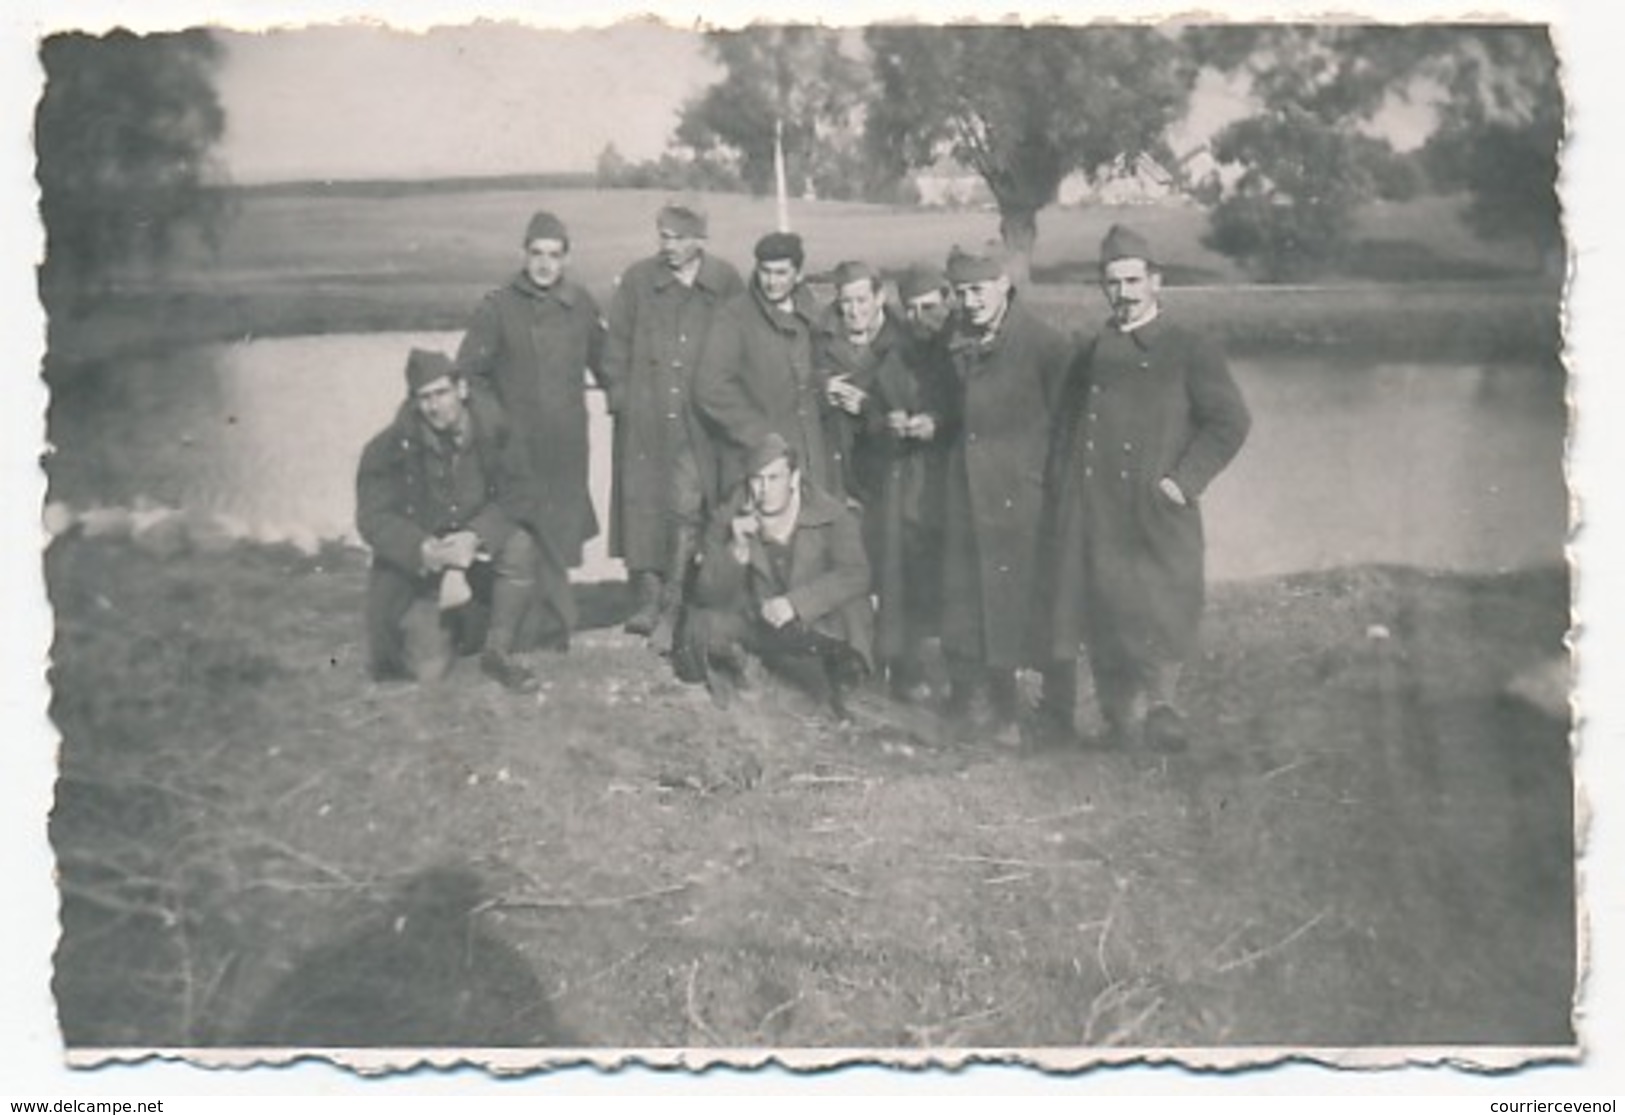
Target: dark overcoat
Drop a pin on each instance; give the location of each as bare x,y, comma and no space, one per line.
902,485
1008,387
828,582
1127,565
758,374
396,508
855,440
533,349
658,328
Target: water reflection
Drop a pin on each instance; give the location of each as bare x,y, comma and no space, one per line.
1445,466
1442,466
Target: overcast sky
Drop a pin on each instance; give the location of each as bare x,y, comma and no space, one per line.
350,102
361,102
353,101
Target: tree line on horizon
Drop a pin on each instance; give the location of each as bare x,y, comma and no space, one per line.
127,128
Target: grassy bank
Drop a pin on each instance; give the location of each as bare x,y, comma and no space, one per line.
1417,286
1367,846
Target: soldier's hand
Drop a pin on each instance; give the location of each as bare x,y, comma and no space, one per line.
778,611
461,548
897,422
922,427
843,394
432,554
742,527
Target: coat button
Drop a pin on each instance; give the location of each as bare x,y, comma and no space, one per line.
1128,447
1087,471
1009,503
1094,389
1089,445
1125,474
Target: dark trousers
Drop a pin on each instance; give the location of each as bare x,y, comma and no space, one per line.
551,615
713,642
1127,686
408,636
821,665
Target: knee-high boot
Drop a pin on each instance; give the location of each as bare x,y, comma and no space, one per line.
685,544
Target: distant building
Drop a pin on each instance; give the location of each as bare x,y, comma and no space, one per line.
1198,166
948,184
1142,180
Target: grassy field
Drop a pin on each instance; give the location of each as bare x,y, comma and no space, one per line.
259,847
1417,284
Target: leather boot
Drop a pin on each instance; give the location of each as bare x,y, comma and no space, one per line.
685,544
646,584
1058,706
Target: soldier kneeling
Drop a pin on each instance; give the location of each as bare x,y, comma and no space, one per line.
440,498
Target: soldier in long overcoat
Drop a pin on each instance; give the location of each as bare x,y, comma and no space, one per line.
855,339
757,374
1009,369
889,416
1152,417
659,321
532,343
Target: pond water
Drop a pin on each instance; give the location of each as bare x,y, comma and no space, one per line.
1445,466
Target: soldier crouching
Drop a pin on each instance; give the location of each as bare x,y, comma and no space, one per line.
782,576
441,500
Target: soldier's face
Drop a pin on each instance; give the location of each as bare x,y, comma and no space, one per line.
545,260
441,402
678,250
982,302
927,314
859,303
1132,288
772,485
777,278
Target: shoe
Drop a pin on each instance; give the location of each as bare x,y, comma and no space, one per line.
643,621
1006,733
512,675
662,633
1122,735
919,694
1051,730
1165,730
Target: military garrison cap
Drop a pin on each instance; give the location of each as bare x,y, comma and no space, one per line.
1122,242
546,226
780,245
424,366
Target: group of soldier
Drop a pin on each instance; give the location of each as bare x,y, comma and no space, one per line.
830,490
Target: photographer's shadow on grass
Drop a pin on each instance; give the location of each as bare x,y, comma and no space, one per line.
422,972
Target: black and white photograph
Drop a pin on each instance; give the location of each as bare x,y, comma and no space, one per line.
884,542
